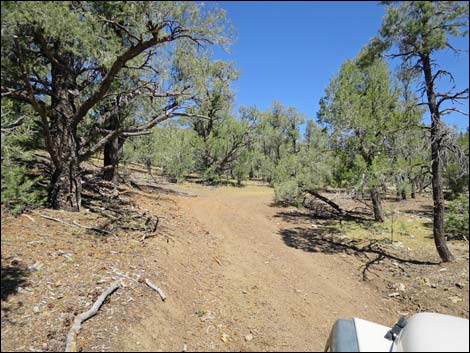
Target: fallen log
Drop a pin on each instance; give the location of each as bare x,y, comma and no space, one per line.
71,345
327,201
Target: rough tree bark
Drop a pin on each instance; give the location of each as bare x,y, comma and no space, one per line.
436,148
65,188
112,153
377,205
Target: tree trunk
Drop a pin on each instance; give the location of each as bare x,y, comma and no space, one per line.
112,151
403,194
112,155
377,205
413,189
436,148
65,188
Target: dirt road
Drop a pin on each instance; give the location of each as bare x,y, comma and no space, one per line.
242,287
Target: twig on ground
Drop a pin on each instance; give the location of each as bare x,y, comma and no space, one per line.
217,260
29,217
71,345
74,223
155,288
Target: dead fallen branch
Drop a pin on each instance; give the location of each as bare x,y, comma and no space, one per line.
71,345
155,288
74,223
327,201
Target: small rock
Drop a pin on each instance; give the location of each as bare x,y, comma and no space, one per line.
427,281
455,299
459,285
36,310
394,294
36,267
249,337
207,316
244,292
399,287
224,337
433,285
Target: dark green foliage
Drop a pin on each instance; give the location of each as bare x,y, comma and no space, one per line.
19,189
457,217
456,173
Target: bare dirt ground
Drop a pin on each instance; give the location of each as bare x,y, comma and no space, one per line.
240,274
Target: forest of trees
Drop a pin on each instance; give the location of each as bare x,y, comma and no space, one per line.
136,82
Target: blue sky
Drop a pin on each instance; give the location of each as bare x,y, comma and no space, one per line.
288,51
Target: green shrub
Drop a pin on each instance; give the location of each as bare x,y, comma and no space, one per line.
19,189
457,217
288,192
18,192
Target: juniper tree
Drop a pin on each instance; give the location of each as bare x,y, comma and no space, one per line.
418,30
359,111
64,58
407,148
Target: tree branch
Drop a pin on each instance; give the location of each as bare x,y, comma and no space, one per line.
118,65
452,109
447,96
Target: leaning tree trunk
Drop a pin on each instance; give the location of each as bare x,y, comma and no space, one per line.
436,149
65,188
413,189
377,205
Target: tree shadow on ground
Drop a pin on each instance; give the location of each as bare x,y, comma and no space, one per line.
319,211
12,277
326,239
424,211
324,234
